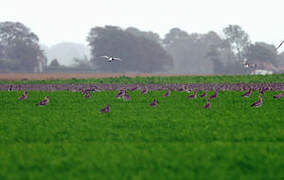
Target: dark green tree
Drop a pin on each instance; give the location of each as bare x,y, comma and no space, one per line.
54,63
260,52
138,54
19,47
149,35
238,40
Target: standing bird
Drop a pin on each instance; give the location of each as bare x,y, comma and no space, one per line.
281,95
153,103
134,88
84,91
208,105
120,94
204,94
87,96
24,96
126,97
261,91
144,91
44,102
280,45
168,93
193,96
214,95
257,103
105,109
248,93
110,58
183,88
10,88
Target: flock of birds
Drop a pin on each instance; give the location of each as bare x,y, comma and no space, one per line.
122,94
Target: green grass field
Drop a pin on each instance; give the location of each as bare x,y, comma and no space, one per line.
70,139
275,78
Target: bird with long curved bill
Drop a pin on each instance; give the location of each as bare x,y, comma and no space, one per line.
24,96
204,94
214,95
44,102
167,93
126,97
207,105
120,94
153,103
144,91
105,109
281,95
87,96
257,103
192,96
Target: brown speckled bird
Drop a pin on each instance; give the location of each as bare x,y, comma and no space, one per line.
24,96
258,103
167,93
192,96
105,109
120,94
126,97
144,91
247,93
153,103
208,105
44,102
214,95
281,95
204,94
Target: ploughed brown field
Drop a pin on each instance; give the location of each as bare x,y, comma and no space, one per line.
51,76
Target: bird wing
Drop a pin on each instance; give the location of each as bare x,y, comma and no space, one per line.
118,59
280,44
106,57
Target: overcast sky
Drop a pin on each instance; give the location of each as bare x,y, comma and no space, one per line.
55,21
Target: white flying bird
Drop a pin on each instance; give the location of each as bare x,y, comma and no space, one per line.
110,58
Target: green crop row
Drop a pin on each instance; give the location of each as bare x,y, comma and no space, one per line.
70,139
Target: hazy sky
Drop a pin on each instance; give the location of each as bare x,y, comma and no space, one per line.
66,20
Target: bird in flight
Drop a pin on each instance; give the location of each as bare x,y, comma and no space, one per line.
280,44
110,58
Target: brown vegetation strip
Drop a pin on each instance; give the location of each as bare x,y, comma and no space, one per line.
77,87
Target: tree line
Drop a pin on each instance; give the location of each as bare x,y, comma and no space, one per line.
141,51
